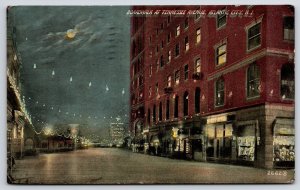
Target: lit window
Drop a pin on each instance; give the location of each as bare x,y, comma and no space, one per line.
254,36
150,91
169,81
169,56
177,30
221,19
288,28
197,66
221,54
219,92
177,50
198,35
253,81
186,42
177,77
186,72
150,71
287,81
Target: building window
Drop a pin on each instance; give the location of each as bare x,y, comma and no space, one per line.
177,50
221,19
157,49
185,103
177,33
149,116
150,70
157,31
169,56
156,88
161,26
169,19
154,113
162,61
162,44
287,81
186,72
150,39
186,42
198,35
198,66
177,77
169,38
169,81
157,65
176,107
168,109
186,23
221,54
253,81
197,100
150,91
160,112
219,90
254,36
288,28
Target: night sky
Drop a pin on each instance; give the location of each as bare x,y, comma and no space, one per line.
75,63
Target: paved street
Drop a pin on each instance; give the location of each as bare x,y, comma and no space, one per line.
112,165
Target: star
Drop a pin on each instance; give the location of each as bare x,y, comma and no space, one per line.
34,66
106,88
53,73
71,79
123,91
90,84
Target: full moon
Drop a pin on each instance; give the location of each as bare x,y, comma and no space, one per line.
70,33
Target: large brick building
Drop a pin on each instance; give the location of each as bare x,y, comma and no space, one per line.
217,88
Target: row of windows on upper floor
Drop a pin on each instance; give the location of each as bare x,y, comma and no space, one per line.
253,42
253,83
253,79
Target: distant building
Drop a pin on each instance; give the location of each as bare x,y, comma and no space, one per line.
216,88
117,133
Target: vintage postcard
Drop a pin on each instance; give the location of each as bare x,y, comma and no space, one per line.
150,94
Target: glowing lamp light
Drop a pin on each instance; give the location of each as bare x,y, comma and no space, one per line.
70,34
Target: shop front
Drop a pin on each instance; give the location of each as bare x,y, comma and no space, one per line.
248,138
284,143
219,139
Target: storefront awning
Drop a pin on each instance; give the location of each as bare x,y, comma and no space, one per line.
284,126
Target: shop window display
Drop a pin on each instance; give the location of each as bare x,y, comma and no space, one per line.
284,148
246,148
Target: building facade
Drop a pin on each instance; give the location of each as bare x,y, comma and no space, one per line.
215,87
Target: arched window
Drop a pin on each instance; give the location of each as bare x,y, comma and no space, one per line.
197,100
253,81
287,81
185,103
168,109
219,92
160,112
176,107
154,113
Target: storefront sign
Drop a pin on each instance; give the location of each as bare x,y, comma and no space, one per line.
216,119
